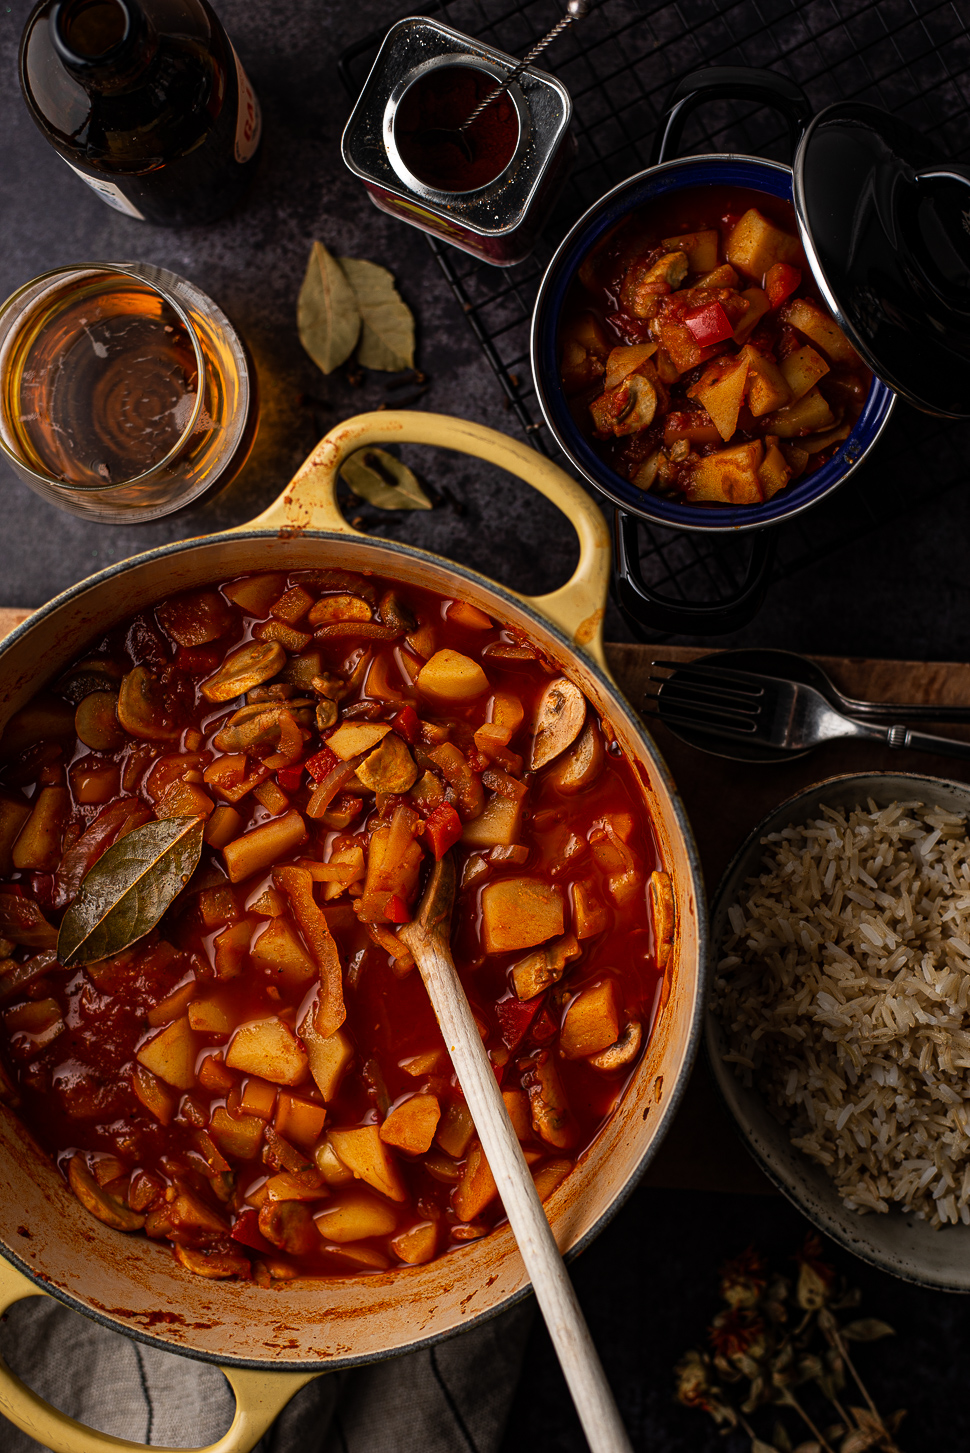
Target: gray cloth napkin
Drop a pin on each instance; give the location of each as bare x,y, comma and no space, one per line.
450,1398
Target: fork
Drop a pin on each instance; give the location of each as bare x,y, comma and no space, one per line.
882,711
742,706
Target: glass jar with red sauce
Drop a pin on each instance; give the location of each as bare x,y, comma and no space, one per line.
487,190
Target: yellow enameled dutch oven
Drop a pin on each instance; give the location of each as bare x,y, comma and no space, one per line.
270,1342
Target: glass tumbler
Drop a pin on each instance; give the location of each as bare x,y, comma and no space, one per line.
125,392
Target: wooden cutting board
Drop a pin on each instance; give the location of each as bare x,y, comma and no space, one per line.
725,800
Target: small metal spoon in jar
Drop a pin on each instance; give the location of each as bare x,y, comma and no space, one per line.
458,136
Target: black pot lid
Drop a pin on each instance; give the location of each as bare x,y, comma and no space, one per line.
886,227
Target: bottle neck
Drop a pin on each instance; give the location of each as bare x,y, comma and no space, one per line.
106,44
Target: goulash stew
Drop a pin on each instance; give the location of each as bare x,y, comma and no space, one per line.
698,356
210,828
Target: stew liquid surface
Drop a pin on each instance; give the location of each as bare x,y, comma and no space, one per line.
259,1078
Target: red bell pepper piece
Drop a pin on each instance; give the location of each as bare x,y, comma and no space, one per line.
544,1027
781,280
290,778
321,764
442,829
246,1231
397,910
514,1018
407,724
709,324
197,659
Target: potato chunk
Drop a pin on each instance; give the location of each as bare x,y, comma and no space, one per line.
520,913
281,953
328,1055
451,677
476,1188
14,812
592,1021
700,248
270,1049
626,360
802,370
354,737
497,825
411,1125
730,476
811,412
815,323
355,1215
363,1152
171,1054
721,390
38,847
754,244
417,1244
765,386
263,846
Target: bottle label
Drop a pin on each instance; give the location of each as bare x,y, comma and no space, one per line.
249,121
108,192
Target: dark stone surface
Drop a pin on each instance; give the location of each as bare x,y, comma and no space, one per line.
648,1284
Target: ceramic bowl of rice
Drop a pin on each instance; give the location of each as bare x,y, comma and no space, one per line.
839,1024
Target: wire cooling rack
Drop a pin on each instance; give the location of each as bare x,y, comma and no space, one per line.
911,57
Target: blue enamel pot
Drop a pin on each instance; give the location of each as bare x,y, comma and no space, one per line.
643,609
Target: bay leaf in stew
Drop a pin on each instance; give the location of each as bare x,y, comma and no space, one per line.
126,892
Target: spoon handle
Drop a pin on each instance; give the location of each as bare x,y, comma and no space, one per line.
577,10
554,1291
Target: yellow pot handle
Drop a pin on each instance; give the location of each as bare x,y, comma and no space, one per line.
260,1397
309,502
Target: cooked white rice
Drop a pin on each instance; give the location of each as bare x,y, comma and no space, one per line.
844,991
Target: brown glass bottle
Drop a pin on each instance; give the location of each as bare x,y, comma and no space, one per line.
146,100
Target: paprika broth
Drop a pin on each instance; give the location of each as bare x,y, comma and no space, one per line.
697,354
256,1076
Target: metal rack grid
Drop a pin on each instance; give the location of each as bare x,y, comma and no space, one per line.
910,56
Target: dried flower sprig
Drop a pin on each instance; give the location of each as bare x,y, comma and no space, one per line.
774,1337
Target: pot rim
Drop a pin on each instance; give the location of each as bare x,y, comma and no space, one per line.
671,1100
595,222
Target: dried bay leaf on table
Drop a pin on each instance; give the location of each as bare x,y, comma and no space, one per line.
368,474
387,323
327,314
129,888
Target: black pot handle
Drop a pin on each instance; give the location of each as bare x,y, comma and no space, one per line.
644,611
729,83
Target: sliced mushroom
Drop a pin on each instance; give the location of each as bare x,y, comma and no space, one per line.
243,669
661,896
290,1226
550,1113
93,674
95,1200
622,1052
635,403
261,724
390,768
325,714
562,712
582,764
96,721
217,1264
394,613
148,707
340,608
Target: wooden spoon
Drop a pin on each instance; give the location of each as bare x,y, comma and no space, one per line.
428,937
